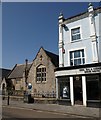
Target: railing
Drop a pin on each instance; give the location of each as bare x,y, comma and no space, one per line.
13,93
44,95
18,93
36,94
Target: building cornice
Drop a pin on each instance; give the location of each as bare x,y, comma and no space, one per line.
81,16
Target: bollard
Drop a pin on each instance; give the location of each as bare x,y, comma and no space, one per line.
8,100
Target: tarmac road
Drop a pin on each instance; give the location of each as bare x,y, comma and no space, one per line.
16,113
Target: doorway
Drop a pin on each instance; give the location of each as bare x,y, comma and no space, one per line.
78,99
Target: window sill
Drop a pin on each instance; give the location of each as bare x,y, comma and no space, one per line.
39,82
62,99
79,40
93,100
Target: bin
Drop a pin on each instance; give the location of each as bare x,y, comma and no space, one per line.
28,98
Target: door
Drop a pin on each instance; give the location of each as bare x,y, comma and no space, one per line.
78,90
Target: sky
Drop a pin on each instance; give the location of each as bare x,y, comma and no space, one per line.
26,26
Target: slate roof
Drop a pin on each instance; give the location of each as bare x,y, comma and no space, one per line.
54,58
18,70
4,72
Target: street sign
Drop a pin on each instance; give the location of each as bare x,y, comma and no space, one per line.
29,86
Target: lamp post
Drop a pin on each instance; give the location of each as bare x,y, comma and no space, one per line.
26,82
26,74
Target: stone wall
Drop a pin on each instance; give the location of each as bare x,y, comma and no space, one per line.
47,86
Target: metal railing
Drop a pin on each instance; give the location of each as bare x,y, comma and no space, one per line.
44,95
36,94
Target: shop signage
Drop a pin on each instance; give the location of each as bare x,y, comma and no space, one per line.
91,70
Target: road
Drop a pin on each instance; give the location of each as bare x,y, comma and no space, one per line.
16,113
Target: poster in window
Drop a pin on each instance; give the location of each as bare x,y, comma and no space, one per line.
65,92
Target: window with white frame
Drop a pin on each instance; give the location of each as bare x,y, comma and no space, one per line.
77,57
75,34
41,73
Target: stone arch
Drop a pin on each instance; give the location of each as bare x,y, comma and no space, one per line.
41,73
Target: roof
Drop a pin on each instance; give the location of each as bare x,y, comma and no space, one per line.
4,72
54,58
18,70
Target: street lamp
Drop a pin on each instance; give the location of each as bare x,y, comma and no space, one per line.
26,82
26,74
28,86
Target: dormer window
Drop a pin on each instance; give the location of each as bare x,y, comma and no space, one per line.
75,34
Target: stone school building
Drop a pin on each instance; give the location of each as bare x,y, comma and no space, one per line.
40,74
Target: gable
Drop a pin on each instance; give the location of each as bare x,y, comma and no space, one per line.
42,53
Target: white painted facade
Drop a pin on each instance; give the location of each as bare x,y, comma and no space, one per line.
90,39
88,45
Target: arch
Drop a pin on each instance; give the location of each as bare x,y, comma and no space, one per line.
41,73
40,66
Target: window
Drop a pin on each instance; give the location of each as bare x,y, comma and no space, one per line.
77,57
41,73
75,33
64,89
93,87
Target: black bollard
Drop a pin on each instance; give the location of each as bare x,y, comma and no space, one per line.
8,100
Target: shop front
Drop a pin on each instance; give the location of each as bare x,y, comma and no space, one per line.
79,85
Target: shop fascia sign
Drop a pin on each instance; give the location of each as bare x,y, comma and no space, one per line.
91,70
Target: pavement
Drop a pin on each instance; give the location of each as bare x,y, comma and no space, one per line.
72,110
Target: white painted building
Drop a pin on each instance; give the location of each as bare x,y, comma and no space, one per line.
79,69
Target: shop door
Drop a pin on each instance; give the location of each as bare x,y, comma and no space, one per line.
78,90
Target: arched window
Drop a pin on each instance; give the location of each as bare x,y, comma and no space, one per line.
41,73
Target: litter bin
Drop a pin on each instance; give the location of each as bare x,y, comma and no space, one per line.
28,98
25,99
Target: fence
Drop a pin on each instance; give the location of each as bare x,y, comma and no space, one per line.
36,94
13,93
44,95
